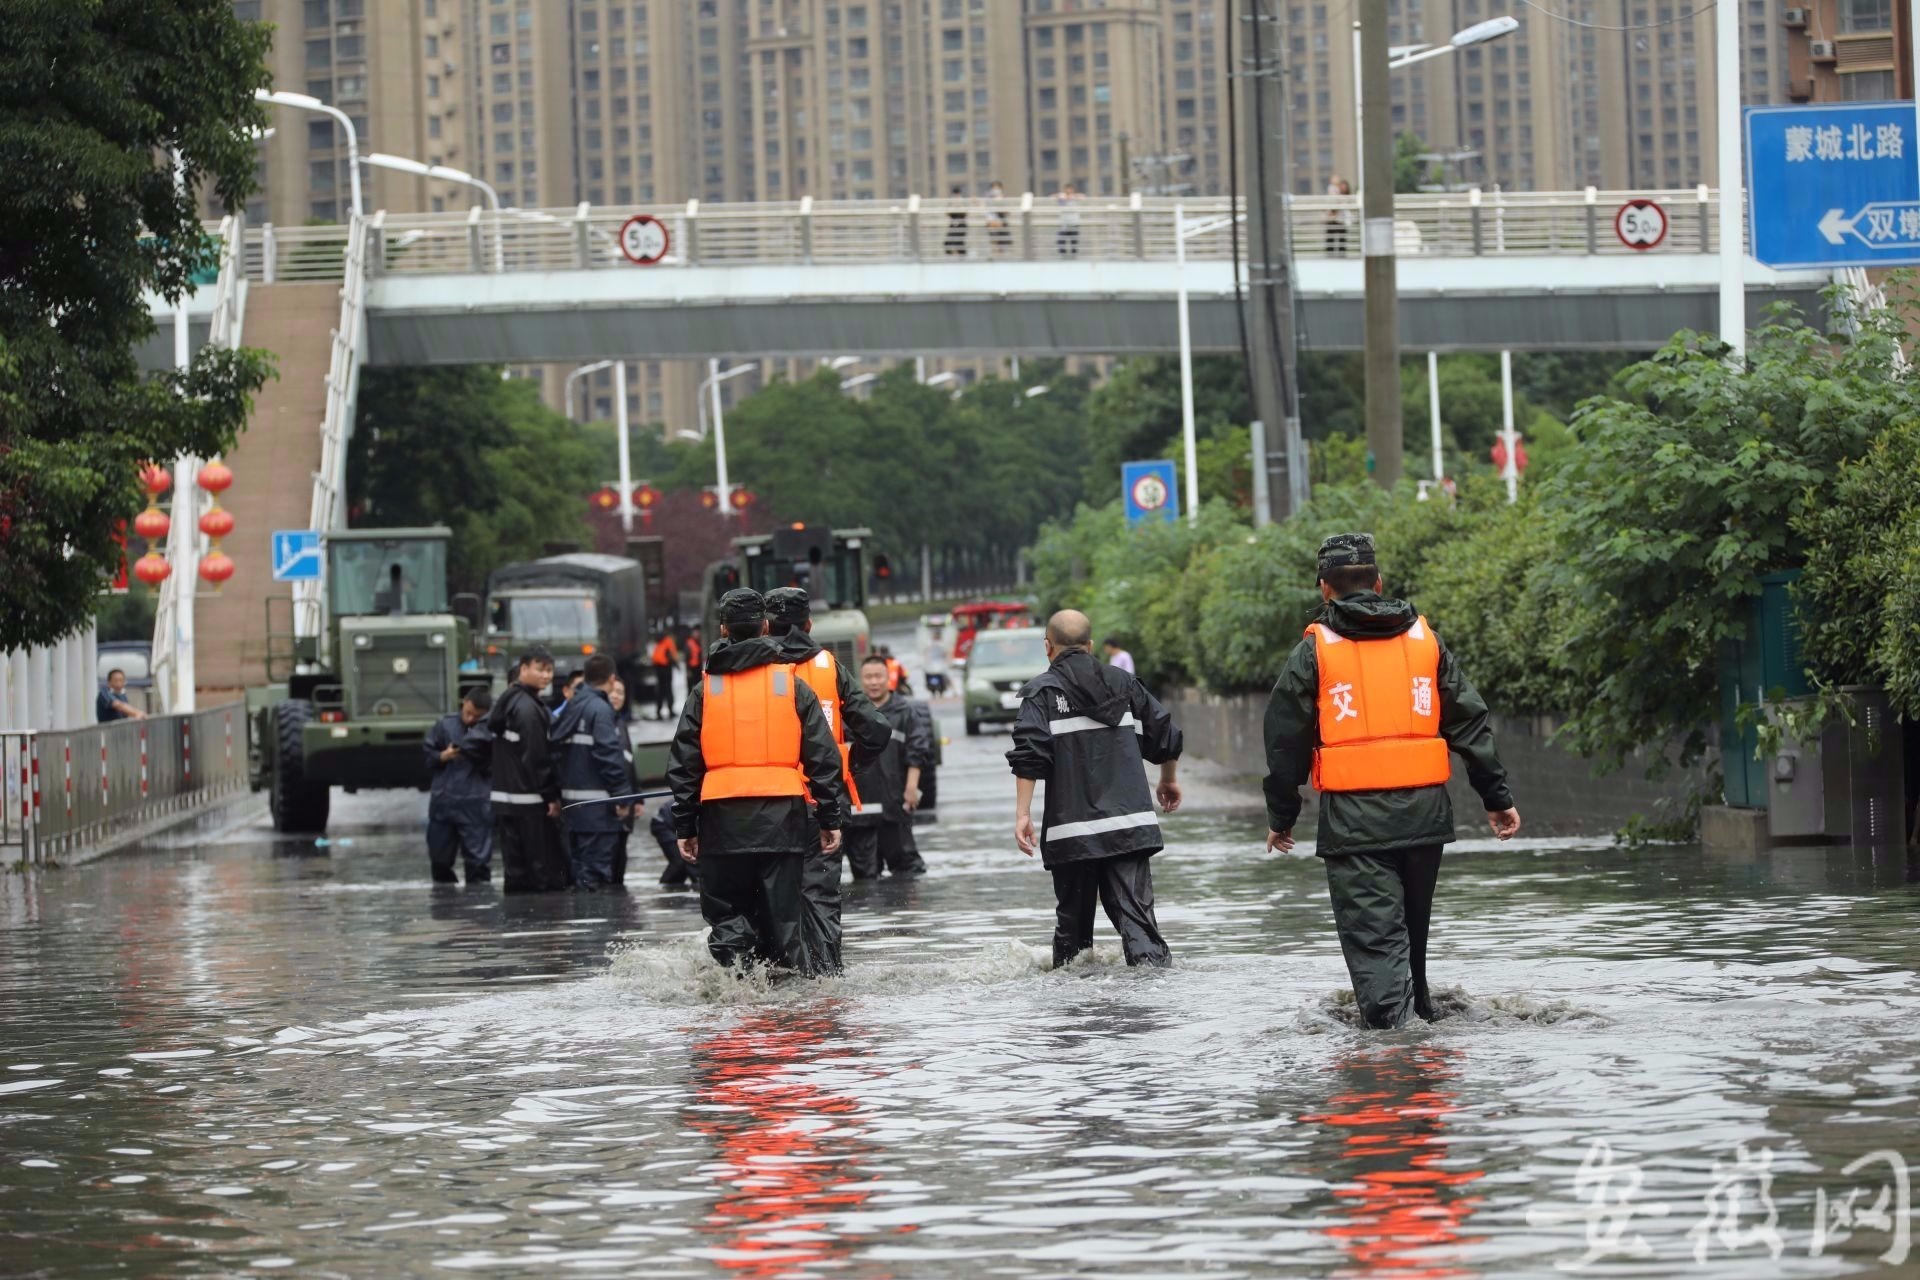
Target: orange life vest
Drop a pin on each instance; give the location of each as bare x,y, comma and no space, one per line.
895,673
750,735
693,651
822,674
664,652
1379,711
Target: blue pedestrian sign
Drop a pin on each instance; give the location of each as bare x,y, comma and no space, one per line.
1834,186
1151,491
296,555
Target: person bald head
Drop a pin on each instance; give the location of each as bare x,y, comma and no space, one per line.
1069,629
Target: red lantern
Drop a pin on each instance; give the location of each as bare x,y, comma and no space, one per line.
646,497
215,477
1499,454
217,567
606,499
152,524
709,500
217,523
152,569
156,478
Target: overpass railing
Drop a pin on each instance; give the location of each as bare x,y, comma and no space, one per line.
69,790
1019,228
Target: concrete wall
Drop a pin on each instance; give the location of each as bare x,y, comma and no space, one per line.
1556,791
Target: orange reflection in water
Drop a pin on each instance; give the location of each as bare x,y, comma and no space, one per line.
1404,1211
785,1149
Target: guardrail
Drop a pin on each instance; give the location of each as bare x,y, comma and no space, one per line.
67,790
1020,228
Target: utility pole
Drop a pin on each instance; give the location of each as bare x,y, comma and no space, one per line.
1264,170
1384,428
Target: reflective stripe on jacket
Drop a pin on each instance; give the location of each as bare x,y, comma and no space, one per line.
750,735
1379,711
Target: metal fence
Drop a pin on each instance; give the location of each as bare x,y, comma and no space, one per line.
1018,228
65,791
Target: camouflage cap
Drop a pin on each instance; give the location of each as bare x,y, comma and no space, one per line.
789,604
1344,550
742,605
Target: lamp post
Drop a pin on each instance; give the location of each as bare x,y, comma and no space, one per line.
582,372
1182,231
307,102
857,381
443,173
1405,55
711,385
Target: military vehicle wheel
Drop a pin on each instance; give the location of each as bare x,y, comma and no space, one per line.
296,804
973,727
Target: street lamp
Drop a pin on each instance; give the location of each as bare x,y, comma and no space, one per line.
841,362
712,385
1182,232
307,102
582,372
1405,55
858,380
941,379
1033,392
444,173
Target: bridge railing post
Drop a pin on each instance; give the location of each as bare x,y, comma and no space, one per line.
806,230
1138,208
582,237
1593,221
1473,214
376,250
476,252
1706,218
913,228
1026,226
690,248
269,250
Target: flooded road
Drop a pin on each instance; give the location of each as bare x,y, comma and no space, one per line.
236,1054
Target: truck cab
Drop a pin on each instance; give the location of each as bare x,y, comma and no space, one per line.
831,564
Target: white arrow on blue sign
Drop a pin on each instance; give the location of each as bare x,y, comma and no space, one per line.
296,555
1834,186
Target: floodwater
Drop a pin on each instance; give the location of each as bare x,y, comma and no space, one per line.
235,1054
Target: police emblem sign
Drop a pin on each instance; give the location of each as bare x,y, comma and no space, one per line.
1151,491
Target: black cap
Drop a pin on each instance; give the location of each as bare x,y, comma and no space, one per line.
1344,550
741,606
789,604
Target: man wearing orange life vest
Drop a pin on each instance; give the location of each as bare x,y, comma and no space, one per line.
752,751
666,655
1371,706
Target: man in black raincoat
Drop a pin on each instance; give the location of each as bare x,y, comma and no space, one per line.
459,815
1085,729
1381,843
861,729
881,834
526,788
592,752
741,773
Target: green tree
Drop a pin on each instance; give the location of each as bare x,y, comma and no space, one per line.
1135,414
1409,170
95,95
458,446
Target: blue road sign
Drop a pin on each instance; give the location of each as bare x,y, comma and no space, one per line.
1151,491
1834,186
296,555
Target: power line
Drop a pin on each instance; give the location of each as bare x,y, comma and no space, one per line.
1602,26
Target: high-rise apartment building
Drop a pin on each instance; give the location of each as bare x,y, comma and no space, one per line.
1847,51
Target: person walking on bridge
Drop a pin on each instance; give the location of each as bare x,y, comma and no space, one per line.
526,788
1369,705
1088,729
859,730
592,752
752,746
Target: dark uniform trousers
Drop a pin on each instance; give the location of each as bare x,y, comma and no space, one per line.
820,885
1124,886
734,888
1383,903
530,848
455,827
593,856
873,845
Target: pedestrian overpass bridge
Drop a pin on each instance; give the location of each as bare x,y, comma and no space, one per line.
1532,271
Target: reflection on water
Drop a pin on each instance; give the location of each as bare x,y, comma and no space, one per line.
1405,1202
242,1054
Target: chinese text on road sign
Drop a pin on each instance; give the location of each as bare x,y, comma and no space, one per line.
1834,185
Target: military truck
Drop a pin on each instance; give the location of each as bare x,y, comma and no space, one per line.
830,563
576,605
350,705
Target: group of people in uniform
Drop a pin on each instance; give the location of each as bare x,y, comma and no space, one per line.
784,762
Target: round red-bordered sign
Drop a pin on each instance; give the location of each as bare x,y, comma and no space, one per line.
1150,492
1640,224
644,239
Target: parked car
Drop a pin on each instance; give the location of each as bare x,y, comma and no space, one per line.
998,665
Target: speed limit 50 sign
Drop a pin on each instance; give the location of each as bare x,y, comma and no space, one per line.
644,239
1640,224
